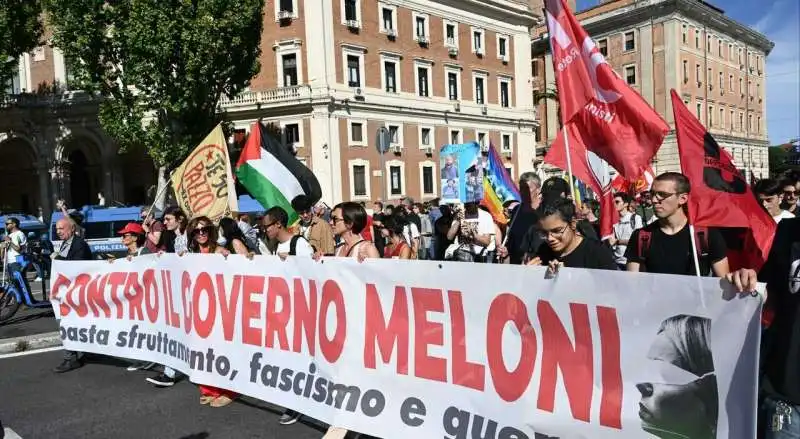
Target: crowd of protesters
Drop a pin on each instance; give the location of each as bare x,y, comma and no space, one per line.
544,228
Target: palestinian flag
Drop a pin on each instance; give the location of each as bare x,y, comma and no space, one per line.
273,175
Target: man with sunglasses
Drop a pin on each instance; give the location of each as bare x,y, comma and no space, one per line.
790,194
665,246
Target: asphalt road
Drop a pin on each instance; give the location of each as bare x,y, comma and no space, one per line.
103,400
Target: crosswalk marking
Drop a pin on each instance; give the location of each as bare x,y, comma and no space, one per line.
10,434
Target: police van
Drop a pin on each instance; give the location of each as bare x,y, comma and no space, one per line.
100,225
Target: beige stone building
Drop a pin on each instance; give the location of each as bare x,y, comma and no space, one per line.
432,72
716,64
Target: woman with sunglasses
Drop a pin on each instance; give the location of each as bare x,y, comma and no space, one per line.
565,246
203,239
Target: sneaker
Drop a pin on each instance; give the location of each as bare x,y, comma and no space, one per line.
68,365
289,417
161,380
140,365
38,279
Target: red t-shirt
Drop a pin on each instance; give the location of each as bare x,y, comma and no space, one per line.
367,232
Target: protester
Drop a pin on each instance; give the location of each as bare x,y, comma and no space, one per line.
231,237
152,227
426,232
408,207
411,231
665,246
249,232
15,242
397,247
204,240
315,231
442,225
276,223
780,386
377,224
522,218
623,230
473,230
770,194
565,246
790,194
73,248
173,240
348,219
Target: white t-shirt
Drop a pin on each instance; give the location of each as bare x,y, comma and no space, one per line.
785,214
623,231
302,248
485,227
18,238
410,231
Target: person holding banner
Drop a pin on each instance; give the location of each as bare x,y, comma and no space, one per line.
558,227
348,219
203,239
392,230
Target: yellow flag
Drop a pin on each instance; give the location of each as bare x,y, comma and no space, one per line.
203,184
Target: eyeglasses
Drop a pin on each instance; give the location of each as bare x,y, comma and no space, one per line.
557,233
335,219
661,196
790,194
266,227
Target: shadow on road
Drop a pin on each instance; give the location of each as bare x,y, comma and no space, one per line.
202,435
28,317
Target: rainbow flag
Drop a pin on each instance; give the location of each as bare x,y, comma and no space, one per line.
498,186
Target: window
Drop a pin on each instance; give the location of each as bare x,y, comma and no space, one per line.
730,51
357,133
602,45
289,67
287,6
13,85
453,78
455,137
480,90
630,41
719,47
360,180
535,68
38,53
708,78
685,71
351,8
685,33
741,64
502,47
630,75
699,111
710,116
733,116
537,133
758,127
741,86
388,19
708,43
505,142
510,170
750,122
741,121
481,139
395,180
353,71
696,38
291,134
423,80
477,41
394,134
505,95
426,137
722,117
730,82
427,180
697,74
421,30
450,34
390,76
758,91
721,81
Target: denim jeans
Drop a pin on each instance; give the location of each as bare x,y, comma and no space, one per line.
791,425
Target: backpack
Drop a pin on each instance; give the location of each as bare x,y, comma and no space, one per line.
700,235
293,245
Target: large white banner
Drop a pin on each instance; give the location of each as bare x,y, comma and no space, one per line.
401,349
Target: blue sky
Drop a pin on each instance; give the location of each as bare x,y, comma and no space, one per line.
779,20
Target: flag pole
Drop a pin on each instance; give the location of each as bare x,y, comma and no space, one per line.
694,250
569,162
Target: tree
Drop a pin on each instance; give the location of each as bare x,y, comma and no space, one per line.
782,159
161,65
20,32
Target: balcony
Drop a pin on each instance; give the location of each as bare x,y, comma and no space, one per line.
283,95
48,100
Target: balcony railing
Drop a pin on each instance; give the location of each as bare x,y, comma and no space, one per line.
30,100
271,96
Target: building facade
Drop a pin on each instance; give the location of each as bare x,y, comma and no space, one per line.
716,64
432,72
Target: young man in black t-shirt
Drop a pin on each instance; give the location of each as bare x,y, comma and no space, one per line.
781,384
668,247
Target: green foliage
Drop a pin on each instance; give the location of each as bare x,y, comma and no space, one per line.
782,161
20,32
163,64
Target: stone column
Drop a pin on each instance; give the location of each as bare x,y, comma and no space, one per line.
44,189
60,177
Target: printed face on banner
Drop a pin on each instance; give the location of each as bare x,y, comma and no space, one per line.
462,168
400,350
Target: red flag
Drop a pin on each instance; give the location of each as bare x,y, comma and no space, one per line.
626,130
720,195
634,187
590,169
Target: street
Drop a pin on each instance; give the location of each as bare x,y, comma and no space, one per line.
103,400
30,321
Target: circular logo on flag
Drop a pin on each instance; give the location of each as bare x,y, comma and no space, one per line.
201,183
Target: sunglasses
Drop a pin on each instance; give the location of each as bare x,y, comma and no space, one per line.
789,194
202,230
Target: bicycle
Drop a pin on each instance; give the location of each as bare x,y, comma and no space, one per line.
14,290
